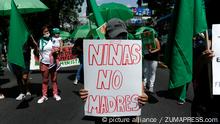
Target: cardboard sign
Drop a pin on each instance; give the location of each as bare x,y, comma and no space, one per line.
113,77
66,58
216,59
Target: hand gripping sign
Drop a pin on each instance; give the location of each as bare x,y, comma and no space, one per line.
216,59
113,76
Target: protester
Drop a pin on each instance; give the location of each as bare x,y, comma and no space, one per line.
22,74
45,48
203,101
150,62
116,29
56,49
78,50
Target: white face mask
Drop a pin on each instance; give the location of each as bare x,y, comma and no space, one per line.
46,35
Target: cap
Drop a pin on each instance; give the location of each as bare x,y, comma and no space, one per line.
115,27
56,30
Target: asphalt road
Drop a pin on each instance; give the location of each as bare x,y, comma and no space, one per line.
70,109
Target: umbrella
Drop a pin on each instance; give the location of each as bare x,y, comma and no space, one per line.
64,35
24,6
82,31
114,10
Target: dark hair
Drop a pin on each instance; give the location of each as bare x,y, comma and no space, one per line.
44,27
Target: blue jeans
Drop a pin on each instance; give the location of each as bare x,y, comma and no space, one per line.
79,74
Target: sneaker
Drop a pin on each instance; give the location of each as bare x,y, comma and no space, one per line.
28,95
57,97
151,89
20,97
2,96
180,102
42,99
51,66
58,67
75,82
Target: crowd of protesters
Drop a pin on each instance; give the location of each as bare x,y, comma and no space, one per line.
50,46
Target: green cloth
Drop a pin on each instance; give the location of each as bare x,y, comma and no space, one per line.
96,10
82,31
189,19
131,36
140,30
115,10
18,35
182,95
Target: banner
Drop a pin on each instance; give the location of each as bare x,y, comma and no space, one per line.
66,58
216,58
113,77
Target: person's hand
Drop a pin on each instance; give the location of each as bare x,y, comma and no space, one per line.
208,55
143,98
83,94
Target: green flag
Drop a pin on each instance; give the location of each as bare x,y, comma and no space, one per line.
189,19
18,35
92,5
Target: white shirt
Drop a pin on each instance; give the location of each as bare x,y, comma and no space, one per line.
56,41
45,50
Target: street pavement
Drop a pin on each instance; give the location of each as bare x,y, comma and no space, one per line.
70,110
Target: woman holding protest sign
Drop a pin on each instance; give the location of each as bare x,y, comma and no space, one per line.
116,29
45,48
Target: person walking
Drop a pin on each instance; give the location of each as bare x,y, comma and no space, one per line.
150,48
45,48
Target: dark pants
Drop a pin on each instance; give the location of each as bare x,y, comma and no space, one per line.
21,75
80,71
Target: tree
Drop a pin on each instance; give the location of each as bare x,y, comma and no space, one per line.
64,13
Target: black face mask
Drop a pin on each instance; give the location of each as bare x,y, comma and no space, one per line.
46,38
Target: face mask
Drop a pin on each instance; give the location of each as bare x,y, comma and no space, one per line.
46,35
122,36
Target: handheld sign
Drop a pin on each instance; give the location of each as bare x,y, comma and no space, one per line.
216,59
113,77
66,58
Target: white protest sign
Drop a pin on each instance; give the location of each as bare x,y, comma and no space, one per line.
216,58
66,58
113,77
